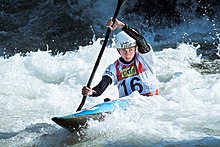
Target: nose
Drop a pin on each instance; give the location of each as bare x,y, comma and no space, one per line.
127,51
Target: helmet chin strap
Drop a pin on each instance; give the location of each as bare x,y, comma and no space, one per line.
118,51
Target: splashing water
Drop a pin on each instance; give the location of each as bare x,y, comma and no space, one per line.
39,86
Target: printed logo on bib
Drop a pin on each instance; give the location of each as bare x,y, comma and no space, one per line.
130,71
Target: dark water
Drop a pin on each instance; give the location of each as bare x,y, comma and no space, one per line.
64,25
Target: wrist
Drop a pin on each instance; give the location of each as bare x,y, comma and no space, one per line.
124,27
92,93
121,25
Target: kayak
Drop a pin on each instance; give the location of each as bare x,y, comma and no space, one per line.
80,119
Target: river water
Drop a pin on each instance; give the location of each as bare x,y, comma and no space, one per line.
37,87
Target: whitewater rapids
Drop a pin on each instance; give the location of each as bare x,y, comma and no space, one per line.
37,87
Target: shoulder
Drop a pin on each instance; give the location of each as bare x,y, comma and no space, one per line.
147,54
110,70
112,66
148,58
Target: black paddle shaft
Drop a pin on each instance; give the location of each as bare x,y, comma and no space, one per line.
120,2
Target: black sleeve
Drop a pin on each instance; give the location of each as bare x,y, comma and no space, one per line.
143,46
103,84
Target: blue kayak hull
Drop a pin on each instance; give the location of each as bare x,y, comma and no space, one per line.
78,120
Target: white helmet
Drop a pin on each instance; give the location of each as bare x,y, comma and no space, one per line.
123,40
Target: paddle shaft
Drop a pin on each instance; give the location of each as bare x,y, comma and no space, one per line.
120,2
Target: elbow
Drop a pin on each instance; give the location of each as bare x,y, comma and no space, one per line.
144,50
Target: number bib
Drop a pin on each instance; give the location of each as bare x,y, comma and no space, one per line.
131,78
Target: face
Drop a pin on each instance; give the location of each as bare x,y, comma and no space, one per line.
127,53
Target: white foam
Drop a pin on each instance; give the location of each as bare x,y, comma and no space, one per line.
39,86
